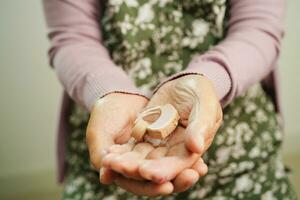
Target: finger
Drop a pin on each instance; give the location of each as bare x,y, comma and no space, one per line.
97,150
120,148
115,150
154,154
111,122
164,169
144,188
210,134
99,140
106,161
186,179
201,121
107,176
128,163
125,135
200,167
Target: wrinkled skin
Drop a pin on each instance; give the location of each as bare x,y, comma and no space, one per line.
102,134
141,168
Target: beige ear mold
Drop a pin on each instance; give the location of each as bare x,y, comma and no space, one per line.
156,123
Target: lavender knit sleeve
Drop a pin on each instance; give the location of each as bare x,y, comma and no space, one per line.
81,62
247,55
249,52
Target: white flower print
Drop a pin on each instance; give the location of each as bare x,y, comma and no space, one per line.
219,198
200,28
223,154
200,193
116,2
219,140
254,152
228,170
246,165
80,180
71,188
243,184
177,15
257,188
250,107
268,196
261,116
145,14
132,3
141,69
172,66
129,3
278,135
162,3
110,197
220,13
186,41
88,195
125,25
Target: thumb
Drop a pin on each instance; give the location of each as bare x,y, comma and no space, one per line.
97,144
201,122
110,122
105,129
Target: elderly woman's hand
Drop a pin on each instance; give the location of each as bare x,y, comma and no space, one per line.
171,162
111,120
199,108
200,114
109,127
200,111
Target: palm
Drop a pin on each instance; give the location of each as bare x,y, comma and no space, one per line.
144,161
200,116
110,123
178,93
163,163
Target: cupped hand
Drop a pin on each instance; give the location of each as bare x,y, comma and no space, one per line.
198,105
200,111
186,179
110,124
171,162
111,120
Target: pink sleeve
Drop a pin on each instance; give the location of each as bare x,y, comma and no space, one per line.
249,51
81,62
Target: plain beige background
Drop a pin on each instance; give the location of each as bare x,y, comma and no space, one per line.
30,96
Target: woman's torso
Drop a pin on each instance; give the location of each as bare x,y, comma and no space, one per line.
154,39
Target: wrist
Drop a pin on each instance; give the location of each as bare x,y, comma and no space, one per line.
118,98
216,73
198,83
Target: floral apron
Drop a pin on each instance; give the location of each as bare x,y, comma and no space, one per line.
153,39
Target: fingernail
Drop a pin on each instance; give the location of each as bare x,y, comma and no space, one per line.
161,181
101,171
158,180
201,141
